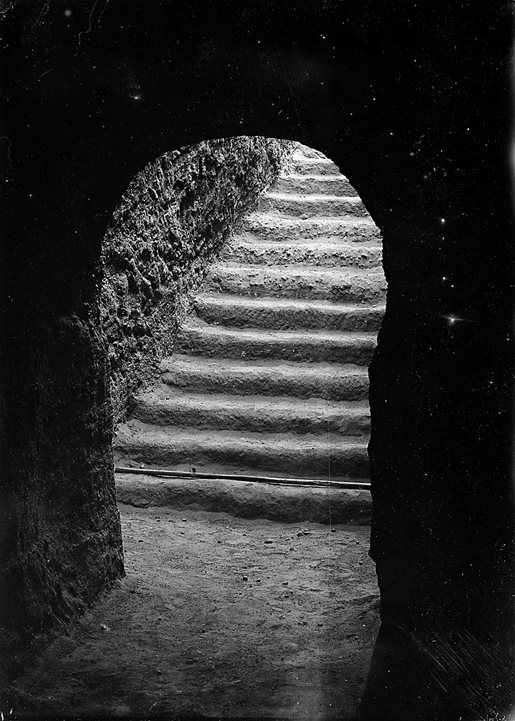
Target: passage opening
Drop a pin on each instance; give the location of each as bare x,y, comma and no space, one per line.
269,371
261,296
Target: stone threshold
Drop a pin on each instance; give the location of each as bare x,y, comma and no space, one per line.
289,502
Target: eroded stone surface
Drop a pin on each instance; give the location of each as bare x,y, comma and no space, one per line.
170,224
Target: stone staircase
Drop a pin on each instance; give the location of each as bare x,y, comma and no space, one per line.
270,374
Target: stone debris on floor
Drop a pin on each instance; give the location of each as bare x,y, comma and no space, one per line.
220,617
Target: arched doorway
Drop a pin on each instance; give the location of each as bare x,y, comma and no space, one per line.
265,586
269,375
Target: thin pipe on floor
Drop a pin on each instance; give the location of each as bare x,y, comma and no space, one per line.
348,485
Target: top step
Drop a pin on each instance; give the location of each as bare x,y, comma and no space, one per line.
301,165
311,205
298,183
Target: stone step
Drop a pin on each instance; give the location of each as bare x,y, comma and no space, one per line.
297,183
335,253
269,374
300,165
273,227
336,285
285,314
197,338
309,206
331,381
269,454
255,414
304,151
285,503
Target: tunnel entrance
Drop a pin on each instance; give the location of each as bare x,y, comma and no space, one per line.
244,598
268,378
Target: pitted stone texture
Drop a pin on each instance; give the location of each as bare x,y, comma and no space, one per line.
311,205
257,414
302,183
217,341
338,285
331,253
266,377
169,226
304,165
287,503
266,226
270,371
286,314
284,453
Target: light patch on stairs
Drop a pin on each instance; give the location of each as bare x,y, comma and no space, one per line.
270,370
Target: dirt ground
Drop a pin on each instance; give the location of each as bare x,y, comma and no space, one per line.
220,617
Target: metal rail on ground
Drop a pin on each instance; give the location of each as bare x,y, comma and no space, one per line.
310,482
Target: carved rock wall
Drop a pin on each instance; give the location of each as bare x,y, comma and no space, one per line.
172,221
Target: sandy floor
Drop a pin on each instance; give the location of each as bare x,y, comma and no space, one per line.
219,616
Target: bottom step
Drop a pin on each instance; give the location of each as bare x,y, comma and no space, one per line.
294,455
247,500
